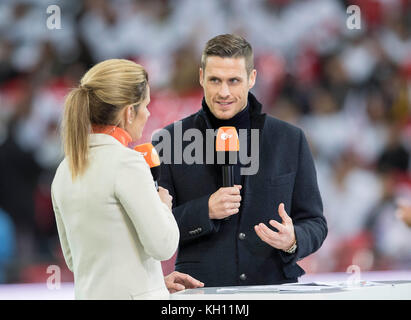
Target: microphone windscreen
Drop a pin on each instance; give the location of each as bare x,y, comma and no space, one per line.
227,139
150,154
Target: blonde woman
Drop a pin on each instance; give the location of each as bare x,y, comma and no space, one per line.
114,227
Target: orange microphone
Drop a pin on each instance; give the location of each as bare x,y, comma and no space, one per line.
228,145
153,160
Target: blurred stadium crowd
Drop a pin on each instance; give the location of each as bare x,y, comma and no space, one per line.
350,91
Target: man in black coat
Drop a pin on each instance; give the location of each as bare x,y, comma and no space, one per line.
254,232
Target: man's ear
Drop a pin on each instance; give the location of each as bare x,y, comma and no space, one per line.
201,75
252,78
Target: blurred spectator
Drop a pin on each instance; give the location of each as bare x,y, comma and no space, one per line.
7,244
394,156
404,211
391,235
19,173
370,132
326,126
346,201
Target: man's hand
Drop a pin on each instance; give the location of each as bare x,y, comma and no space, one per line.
224,202
284,238
177,281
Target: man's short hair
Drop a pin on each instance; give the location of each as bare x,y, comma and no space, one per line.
229,46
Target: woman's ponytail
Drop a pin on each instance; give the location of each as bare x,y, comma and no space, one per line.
76,129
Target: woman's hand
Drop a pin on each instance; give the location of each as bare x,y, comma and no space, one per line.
165,197
177,281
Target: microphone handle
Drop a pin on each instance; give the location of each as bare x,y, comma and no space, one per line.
155,172
228,176
228,179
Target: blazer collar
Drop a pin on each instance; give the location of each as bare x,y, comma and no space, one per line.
99,139
109,135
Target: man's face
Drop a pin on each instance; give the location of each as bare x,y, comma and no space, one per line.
226,85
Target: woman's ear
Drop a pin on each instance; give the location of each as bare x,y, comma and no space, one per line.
129,114
124,117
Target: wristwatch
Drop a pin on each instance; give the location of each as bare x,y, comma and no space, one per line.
292,248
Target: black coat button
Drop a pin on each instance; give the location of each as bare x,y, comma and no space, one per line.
241,236
243,277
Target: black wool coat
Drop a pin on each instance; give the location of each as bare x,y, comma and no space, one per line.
228,252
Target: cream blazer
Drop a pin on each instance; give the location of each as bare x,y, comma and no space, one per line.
114,230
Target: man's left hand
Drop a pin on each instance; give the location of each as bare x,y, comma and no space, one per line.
177,281
284,238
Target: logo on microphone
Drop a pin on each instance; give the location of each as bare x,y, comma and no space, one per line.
225,136
149,153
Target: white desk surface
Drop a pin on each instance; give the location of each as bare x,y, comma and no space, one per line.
394,291
387,286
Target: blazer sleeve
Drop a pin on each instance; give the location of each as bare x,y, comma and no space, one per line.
310,225
153,221
192,217
62,234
